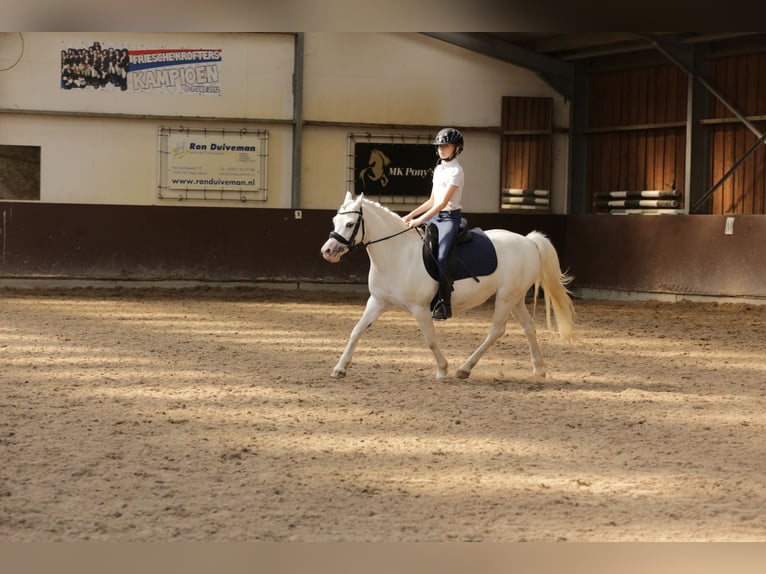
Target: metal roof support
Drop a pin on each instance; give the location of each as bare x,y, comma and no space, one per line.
578,140
701,201
697,137
295,196
682,57
559,75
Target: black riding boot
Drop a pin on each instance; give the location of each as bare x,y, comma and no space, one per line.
443,309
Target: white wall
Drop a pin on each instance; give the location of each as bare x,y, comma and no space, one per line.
92,155
115,161
256,76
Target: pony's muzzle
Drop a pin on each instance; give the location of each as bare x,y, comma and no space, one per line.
333,250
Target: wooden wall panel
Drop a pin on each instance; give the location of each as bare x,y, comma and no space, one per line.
659,153
636,130
526,150
741,79
630,161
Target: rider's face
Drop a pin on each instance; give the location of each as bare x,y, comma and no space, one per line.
445,150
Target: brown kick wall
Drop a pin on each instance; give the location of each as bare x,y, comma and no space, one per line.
666,254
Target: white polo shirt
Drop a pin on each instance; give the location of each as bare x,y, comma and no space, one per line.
446,174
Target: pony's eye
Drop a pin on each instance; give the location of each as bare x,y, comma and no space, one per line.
349,224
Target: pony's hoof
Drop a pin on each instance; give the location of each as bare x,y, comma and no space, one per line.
338,374
462,374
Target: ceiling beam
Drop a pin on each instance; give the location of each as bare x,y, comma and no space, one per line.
559,75
578,41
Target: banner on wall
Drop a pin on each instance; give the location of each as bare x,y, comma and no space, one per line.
147,71
393,168
196,161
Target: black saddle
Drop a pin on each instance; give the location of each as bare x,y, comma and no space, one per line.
472,254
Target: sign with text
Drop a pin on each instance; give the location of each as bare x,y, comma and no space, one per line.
197,161
175,71
394,168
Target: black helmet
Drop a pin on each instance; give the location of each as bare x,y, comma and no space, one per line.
449,136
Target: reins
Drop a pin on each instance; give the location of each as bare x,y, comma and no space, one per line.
386,237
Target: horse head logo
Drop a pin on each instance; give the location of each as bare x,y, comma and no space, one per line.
377,169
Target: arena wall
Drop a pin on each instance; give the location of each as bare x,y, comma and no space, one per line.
674,254
684,255
136,243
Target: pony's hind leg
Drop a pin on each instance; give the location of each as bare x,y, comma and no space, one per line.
499,320
521,313
374,309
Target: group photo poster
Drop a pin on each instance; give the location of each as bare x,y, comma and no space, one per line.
140,70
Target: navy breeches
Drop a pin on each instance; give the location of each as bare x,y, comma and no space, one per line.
448,223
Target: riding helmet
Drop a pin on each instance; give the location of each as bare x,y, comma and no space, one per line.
450,136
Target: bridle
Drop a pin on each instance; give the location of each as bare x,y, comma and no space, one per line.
351,241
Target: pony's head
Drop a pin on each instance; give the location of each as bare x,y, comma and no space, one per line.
348,229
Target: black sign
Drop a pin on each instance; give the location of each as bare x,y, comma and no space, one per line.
394,169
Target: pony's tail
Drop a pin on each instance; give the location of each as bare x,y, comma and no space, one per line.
554,283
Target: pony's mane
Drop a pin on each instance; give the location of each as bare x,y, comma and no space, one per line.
382,207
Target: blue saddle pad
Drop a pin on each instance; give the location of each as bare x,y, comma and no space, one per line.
472,258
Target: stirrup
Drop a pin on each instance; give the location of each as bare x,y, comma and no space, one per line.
441,311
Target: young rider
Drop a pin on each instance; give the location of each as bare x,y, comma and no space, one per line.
443,208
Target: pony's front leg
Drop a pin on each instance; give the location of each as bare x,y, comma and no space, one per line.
374,309
423,317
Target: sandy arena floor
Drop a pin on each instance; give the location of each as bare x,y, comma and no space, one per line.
155,415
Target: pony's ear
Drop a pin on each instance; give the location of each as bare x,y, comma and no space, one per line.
349,197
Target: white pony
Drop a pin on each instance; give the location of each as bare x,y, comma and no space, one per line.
398,280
